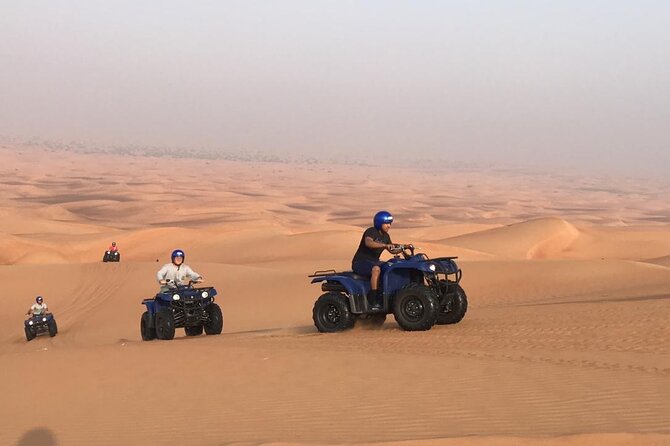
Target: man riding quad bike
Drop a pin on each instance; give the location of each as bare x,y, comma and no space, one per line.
177,305
40,320
419,291
112,254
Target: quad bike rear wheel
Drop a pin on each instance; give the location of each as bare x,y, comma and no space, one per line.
165,324
331,313
415,308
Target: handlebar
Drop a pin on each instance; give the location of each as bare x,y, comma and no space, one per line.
406,250
172,284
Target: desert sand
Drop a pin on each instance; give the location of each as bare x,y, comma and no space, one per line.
566,340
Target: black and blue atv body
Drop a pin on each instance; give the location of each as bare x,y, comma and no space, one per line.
111,256
181,306
39,324
419,291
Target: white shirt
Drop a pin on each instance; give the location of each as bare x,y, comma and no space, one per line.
175,273
38,309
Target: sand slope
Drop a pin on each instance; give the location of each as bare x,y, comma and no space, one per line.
565,341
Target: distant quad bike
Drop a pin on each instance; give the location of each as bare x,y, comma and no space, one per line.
111,256
419,291
182,306
39,324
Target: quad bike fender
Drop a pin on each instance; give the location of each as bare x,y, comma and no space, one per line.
152,308
35,323
349,285
354,290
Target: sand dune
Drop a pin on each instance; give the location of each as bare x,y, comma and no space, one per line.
565,341
534,239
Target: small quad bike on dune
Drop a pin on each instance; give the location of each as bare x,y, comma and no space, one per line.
111,256
182,306
39,324
419,291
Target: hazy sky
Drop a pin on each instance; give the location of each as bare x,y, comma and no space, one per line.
560,83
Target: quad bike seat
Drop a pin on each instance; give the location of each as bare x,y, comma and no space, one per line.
354,276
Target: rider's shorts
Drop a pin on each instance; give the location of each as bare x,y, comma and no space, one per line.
364,267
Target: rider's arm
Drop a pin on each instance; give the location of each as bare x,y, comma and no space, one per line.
161,275
375,245
192,274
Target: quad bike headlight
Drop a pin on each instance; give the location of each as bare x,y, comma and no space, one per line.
205,294
44,319
30,322
175,297
431,267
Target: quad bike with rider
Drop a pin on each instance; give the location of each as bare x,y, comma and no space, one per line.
40,321
112,254
181,306
420,292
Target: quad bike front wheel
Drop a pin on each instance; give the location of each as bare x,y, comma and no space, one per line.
452,306
415,308
53,327
331,313
148,333
30,334
214,324
165,324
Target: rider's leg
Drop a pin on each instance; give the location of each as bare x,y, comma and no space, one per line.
374,277
372,269
373,296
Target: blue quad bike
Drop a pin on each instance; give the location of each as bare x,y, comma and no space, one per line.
419,291
181,306
39,324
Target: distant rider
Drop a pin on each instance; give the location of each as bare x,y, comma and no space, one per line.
366,260
174,273
39,308
112,249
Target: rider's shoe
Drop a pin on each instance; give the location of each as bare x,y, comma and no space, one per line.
374,303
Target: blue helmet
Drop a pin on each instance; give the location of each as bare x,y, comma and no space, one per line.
177,253
382,217
39,299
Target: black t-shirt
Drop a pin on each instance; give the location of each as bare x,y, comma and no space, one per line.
365,253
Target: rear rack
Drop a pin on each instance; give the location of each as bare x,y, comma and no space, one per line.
444,258
327,272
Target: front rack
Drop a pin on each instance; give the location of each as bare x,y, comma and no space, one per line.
437,259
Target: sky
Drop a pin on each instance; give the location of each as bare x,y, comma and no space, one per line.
556,84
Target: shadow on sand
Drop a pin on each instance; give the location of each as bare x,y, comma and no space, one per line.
40,436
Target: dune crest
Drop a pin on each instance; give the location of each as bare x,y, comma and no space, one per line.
532,239
662,261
